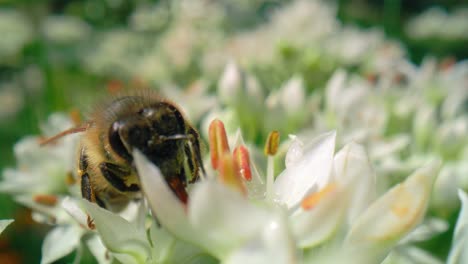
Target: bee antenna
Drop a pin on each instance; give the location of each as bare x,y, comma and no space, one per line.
72,130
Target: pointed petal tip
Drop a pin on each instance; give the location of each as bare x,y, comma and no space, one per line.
430,169
4,223
462,195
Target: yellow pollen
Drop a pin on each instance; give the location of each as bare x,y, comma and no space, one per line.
272,143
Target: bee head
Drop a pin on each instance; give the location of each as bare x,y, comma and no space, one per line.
159,131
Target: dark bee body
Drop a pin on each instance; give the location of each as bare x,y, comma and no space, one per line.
145,122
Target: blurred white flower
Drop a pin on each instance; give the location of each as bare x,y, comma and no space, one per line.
65,29
436,23
11,100
193,109
16,32
115,53
354,108
150,17
42,169
458,253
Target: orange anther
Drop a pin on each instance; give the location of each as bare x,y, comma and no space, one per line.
46,199
242,160
229,173
218,142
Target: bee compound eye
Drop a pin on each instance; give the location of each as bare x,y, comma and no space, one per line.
116,143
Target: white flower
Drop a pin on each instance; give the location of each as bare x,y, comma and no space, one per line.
65,29
458,254
231,84
436,23
15,32
42,169
321,195
352,107
11,100
193,109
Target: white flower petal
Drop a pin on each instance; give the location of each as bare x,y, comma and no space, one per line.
394,214
314,169
444,197
295,151
223,217
353,171
230,84
169,210
44,213
162,243
168,249
122,238
60,242
293,95
335,87
98,249
313,226
410,255
72,208
4,224
273,245
459,254
429,228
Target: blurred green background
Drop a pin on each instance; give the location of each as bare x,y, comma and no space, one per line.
42,68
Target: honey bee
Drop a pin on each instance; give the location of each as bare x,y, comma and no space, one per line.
156,127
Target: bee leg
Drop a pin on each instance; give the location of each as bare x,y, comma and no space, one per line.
195,146
88,193
87,190
115,175
191,163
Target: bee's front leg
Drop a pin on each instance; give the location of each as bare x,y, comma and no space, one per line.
87,189
115,175
88,193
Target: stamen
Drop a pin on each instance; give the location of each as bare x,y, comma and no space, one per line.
312,200
271,147
272,143
46,199
229,173
218,142
242,160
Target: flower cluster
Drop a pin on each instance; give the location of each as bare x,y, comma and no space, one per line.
321,199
